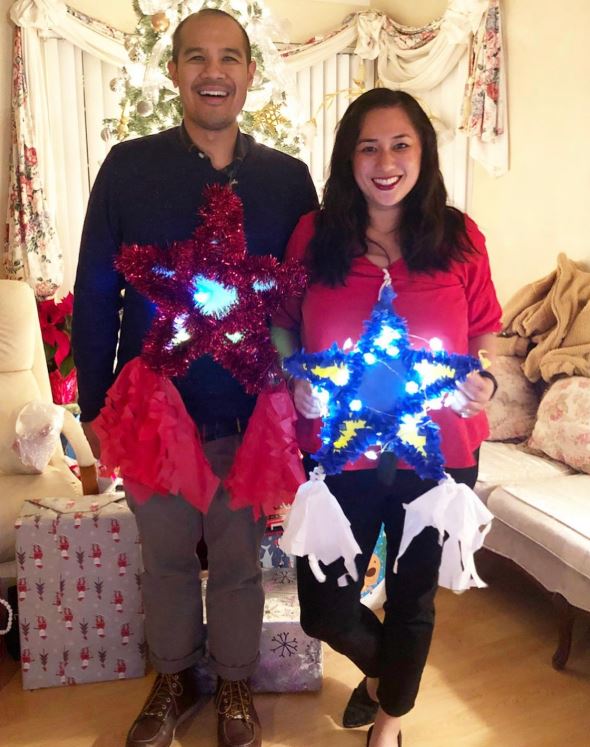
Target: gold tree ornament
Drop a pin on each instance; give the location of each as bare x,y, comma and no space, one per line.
123,124
144,108
270,119
160,22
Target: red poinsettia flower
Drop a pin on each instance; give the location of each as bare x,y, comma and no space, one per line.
55,318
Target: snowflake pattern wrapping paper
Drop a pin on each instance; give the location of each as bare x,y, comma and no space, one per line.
80,610
290,661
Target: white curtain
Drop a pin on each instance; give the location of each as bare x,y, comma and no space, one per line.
79,98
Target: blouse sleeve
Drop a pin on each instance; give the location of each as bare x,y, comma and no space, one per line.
288,315
484,310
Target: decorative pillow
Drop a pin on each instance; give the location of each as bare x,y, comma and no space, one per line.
562,430
512,412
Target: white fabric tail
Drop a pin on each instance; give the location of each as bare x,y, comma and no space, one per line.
451,508
317,527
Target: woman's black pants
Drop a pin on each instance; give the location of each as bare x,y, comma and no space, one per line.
396,649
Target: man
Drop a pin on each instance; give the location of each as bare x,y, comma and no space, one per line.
148,191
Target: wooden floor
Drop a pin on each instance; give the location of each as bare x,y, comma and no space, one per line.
488,683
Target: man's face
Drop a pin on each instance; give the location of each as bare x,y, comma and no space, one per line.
212,72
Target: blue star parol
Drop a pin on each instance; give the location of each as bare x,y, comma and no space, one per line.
378,393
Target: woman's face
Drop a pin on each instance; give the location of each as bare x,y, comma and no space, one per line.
386,160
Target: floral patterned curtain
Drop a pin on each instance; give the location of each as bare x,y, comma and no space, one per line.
32,251
481,114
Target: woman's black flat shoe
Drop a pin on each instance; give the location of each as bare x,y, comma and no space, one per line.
361,709
399,737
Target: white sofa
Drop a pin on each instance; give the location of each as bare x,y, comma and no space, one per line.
24,378
539,489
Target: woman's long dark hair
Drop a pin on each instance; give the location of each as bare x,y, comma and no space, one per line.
431,233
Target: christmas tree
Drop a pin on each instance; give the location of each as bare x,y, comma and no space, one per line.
149,101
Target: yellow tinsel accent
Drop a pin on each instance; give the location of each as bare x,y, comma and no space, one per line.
431,372
408,433
333,373
350,427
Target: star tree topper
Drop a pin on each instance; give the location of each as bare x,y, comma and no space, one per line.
378,392
211,296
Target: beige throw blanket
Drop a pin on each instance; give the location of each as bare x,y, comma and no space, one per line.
553,314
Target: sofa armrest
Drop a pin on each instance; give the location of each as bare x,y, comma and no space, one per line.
74,433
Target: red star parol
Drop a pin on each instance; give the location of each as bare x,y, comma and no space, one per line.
211,296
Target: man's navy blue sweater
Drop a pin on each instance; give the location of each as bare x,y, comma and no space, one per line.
147,192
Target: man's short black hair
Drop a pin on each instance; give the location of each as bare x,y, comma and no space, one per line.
176,36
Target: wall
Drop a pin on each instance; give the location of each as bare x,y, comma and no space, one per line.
539,208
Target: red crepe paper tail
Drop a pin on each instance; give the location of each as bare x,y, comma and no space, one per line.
267,469
146,432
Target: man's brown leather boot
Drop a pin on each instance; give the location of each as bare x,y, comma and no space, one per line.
237,720
174,697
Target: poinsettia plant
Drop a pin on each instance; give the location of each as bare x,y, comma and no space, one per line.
55,318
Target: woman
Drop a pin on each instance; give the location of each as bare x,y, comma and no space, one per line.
384,208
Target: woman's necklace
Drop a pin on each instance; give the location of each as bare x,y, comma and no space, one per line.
385,251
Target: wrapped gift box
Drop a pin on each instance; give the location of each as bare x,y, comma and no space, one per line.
79,597
290,661
373,591
271,555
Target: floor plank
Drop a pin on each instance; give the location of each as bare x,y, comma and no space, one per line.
488,683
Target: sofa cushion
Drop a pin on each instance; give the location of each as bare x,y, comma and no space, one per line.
562,429
552,513
18,316
501,463
512,412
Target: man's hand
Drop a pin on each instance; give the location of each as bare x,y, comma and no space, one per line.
305,400
93,441
471,395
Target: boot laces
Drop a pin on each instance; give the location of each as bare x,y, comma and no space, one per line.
233,700
166,688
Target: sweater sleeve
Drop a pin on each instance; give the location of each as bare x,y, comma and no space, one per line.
288,316
484,309
97,294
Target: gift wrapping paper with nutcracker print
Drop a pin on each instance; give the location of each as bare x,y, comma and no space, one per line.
79,596
290,661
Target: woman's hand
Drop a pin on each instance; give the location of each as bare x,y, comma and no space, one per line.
305,400
471,396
